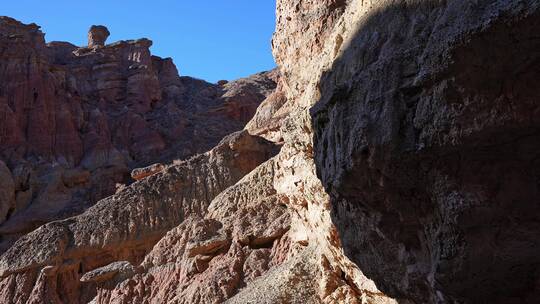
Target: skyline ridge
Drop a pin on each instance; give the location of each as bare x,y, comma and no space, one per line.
188,32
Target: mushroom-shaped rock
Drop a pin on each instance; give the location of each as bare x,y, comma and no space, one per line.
140,173
97,35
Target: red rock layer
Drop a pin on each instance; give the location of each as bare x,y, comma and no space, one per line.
75,121
63,261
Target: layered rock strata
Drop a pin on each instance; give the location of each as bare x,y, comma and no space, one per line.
57,262
426,139
97,35
75,121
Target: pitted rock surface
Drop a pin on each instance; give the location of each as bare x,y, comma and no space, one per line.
425,137
97,35
408,173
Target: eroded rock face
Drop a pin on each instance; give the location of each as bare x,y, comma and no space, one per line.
208,259
404,127
427,140
140,173
76,121
408,168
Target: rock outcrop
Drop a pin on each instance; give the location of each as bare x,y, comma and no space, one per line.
123,227
426,139
74,122
208,259
140,173
7,192
97,35
422,119
408,173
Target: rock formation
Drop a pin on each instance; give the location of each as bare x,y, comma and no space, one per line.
123,227
75,121
140,173
428,147
7,191
407,173
97,35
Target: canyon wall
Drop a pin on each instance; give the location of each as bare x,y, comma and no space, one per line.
74,121
407,172
426,139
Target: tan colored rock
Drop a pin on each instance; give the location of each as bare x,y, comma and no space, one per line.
382,184
117,270
207,260
270,116
241,100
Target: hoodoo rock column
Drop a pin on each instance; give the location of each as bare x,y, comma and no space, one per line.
97,35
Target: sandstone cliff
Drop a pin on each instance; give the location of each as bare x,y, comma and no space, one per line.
408,172
76,120
426,139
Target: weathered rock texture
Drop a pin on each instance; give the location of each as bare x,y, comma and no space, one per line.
75,121
422,118
427,140
141,173
408,168
97,35
54,259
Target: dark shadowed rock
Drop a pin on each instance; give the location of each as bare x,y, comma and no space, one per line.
7,192
426,138
408,164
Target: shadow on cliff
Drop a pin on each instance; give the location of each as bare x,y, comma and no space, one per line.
427,138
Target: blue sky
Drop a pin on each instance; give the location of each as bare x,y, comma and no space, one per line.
208,39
